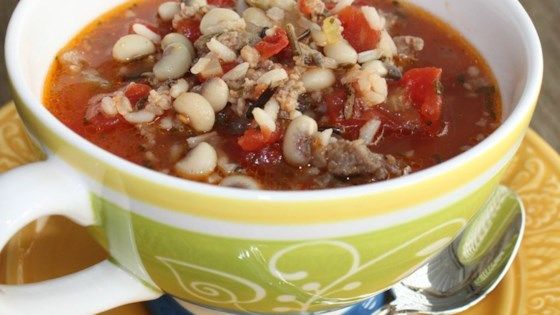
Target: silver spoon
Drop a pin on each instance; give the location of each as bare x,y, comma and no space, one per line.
468,269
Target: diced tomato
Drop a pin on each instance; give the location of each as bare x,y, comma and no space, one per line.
254,140
136,92
222,3
102,123
304,7
273,44
357,30
190,28
423,88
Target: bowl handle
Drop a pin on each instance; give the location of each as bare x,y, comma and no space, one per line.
50,188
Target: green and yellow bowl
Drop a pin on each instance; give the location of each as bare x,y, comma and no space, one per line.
278,252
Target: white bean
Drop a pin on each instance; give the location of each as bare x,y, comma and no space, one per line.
224,52
132,47
240,181
273,77
199,162
220,19
342,52
297,141
257,17
177,38
200,113
216,92
317,79
175,62
167,10
265,122
143,30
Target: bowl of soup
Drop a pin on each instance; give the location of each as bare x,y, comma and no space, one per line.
276,156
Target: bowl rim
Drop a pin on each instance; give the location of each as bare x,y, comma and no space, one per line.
531,89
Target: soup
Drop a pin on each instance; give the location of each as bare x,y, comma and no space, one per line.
284,95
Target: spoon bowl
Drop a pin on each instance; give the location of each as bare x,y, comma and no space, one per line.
470,267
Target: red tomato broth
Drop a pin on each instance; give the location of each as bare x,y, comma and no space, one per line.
444,49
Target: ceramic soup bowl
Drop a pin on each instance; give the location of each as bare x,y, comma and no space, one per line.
236,250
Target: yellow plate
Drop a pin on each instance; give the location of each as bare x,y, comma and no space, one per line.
531,287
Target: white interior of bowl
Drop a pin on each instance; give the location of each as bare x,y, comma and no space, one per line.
500,30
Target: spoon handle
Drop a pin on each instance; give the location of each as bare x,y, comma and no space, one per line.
485,229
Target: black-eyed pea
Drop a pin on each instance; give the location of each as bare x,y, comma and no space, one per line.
296,146
317,79
132,47
199,163
175,62
197,109
216,92
177,38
